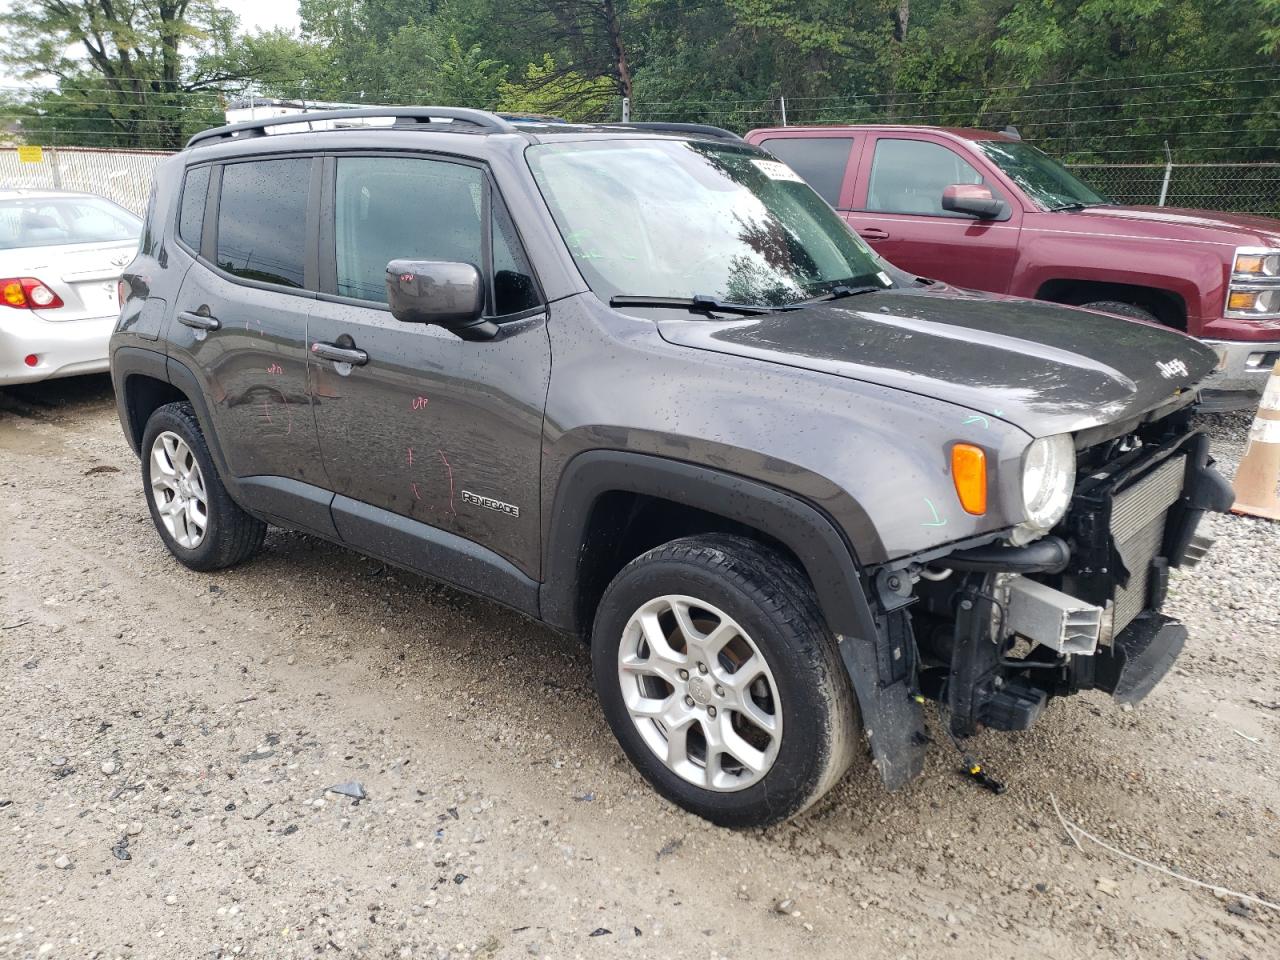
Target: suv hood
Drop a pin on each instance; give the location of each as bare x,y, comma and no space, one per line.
1241,228
1042,367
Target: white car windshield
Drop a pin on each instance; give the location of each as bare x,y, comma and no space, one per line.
52,221
675,218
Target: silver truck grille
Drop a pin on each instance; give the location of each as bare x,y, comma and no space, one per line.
1138,517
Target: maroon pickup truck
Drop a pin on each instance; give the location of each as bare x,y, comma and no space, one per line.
985,210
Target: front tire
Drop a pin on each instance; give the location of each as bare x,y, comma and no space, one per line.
721,681
193,513
1121,309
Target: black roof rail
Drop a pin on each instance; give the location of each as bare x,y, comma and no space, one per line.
481,119
663,126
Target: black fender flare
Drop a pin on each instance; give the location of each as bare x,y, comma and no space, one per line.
131,361
128,362
872,653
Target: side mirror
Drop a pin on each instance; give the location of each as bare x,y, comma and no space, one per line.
449,295
972,198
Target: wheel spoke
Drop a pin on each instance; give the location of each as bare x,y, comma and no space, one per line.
731,743
659,647
196,517
160,460
738,682
756,715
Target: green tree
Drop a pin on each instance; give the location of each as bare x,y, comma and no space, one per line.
128,68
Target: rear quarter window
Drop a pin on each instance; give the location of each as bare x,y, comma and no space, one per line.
195,187
821,161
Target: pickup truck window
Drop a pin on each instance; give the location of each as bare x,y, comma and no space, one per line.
663,218
1043,179
820,160
908,176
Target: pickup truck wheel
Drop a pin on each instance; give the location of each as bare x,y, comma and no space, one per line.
721,682
1122,310
195,516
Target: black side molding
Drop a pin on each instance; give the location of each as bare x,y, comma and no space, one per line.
436,553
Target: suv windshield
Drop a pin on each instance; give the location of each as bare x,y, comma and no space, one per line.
51,221
674,218
1044,179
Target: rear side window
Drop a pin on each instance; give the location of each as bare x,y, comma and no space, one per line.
191,212
822,161
262,219
908,176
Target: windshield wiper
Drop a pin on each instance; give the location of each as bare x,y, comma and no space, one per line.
1074,205
840,291
699,303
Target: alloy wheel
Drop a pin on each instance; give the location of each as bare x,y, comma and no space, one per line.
700,693
177,486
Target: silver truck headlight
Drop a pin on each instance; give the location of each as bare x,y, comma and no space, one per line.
1048,480
1254,292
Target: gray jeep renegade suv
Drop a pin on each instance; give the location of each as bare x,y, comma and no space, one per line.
641,383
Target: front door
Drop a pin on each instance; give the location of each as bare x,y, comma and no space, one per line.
899,213
240,318
421,425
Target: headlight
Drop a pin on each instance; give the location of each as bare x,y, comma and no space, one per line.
1048,479
1254,293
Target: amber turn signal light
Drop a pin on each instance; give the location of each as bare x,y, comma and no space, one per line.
969,473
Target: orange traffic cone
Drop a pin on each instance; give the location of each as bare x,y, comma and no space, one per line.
1258,479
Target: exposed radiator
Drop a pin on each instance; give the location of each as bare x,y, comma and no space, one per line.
1138,516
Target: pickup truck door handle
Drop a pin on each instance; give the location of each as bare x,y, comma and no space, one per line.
331,351
198,321
873,233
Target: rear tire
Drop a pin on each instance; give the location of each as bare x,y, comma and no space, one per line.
721,681
1131,310
193,513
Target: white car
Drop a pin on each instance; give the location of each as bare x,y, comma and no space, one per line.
61,254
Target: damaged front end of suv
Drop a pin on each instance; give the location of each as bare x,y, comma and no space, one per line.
1068,600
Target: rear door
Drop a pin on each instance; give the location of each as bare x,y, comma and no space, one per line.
429,440
827,163
898,210
240,317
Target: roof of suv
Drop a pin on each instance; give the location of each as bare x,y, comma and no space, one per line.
446,120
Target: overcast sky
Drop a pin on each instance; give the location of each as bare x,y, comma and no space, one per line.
264,14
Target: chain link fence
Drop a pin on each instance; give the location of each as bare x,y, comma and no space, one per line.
1234,187
121,175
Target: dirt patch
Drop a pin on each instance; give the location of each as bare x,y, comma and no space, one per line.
168,740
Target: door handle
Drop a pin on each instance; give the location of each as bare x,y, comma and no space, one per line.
873,233
198,321
331,351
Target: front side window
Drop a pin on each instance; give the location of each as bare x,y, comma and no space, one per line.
54,221
820,160
1044,179
262,220
391,208
674,218
908,176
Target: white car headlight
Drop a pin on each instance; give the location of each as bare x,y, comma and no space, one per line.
1048,480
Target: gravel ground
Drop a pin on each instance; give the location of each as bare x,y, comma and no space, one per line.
167,740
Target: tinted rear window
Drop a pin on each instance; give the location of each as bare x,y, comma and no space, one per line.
262,218
820,160
191,213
